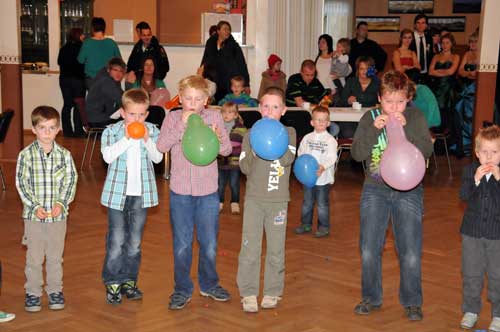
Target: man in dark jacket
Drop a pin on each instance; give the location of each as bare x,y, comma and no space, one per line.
422,45
148,45
362,46
105,94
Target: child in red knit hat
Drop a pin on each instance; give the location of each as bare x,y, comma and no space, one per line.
273,77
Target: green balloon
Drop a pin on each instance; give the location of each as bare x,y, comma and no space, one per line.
199,143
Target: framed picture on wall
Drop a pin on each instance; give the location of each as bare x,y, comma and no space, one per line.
467,6
380,23
449,23
411,6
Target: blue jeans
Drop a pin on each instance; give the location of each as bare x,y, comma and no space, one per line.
186,212
123,242
233,175
320,194
377,204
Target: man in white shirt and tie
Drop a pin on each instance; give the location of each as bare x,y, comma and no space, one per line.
422,45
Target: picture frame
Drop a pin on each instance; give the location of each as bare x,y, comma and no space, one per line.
450,23
381,23
411,6
467,6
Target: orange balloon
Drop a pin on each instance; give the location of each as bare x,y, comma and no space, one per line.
136,130
174,102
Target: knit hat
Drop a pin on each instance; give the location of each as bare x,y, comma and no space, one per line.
273,58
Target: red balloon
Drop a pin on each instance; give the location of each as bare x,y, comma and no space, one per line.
402,166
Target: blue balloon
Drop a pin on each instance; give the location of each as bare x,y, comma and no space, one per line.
305,169
269,139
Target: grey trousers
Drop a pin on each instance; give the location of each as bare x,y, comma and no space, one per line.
45,242
480,257
271,217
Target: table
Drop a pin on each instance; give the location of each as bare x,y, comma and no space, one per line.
338,114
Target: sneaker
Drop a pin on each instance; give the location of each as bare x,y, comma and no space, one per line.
56,301
32,303
468,320
250,304
217,293
365,307
178,301
270,302
321,233
414,313
494,325
113,294
6,317
302,229
221,206
235,208
130,290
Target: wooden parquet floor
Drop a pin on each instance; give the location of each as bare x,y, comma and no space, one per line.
322,275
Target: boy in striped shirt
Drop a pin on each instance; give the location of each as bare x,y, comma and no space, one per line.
46,181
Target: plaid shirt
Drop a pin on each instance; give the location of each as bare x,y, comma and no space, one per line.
186,178
43,180
115,186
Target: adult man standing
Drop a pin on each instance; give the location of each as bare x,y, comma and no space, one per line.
362,46
304,86
148,45
422,45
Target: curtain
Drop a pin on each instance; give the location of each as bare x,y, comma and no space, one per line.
338,19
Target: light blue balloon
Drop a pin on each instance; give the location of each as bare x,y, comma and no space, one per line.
269,139
305,170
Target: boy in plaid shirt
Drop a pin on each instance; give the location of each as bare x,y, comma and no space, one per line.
129,190
46,181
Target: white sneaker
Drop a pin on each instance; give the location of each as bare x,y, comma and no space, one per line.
221,206
495,325
468,320
270,302
250,303
235,208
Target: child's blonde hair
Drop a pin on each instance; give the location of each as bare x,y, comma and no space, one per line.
346,44
491,133
195,82
232,107
44,113
394,81
135,96
274,91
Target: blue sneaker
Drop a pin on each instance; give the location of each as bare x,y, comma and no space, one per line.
56,301
32,303
178,301
217,293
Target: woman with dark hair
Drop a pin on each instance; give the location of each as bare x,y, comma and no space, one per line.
464,109
225,54
442,70
97,50
404,59
147,77
324,62
72,83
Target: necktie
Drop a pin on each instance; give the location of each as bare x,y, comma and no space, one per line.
421,56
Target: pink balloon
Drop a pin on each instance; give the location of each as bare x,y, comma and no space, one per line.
402,166
159,97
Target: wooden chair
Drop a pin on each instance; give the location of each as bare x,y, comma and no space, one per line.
5,119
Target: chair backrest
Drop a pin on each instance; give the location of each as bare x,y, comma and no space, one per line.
80,105
5,119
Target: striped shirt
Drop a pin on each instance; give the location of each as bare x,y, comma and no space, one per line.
114,192
44,179
186,178
297,87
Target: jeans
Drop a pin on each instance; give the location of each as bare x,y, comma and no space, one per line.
123,242
186,212
378,203
71,88
320,194
233,175
480,258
